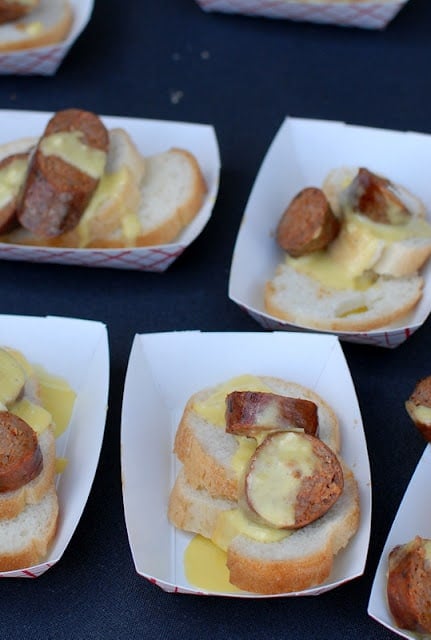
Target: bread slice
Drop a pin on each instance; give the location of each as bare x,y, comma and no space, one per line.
299,561
301,300
172,194
383,261
49,23
398,258
140,201
25,539
207,451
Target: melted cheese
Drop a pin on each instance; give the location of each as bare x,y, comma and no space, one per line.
276,479
235,522
68,146
56,395
11,179
109,186
213,408
348,261
205,566
422,414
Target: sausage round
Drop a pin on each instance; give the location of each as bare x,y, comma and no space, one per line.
308,224
409,585
56,192
20,455
292,479
374,197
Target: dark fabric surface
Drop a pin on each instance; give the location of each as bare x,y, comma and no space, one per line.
243,75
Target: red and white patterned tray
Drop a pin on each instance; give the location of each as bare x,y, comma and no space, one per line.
46,60
150,136
368,15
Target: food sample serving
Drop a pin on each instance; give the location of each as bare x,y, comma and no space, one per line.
35,408
354,249
262,480
82,185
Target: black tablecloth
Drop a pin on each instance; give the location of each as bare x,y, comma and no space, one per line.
167,59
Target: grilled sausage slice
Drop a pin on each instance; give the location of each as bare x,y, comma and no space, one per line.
418,407
14,10
375,197
292,479
409,585
60,184
20,455
251,412
308,224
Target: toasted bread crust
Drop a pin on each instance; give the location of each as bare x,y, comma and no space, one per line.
27,538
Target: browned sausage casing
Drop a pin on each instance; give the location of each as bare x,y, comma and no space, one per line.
20,455
56,193
251,412
308,224
374,197
409,586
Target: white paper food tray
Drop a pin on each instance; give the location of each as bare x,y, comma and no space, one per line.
412,519
150,137
76,350
361,13
164,370
46,60
302,154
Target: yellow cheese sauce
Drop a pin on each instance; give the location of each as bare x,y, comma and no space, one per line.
423,414
204,559
55,394
205,566
68,146
57,397
213,408
348,261
11,179
109,192
276,479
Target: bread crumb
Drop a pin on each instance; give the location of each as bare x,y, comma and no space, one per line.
176,96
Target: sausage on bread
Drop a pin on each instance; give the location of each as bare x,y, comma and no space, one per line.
290,486
368,275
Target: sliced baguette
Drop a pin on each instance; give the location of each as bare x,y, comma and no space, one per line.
301,300
140,201
206,450
172,194
299,561
25,539
49,23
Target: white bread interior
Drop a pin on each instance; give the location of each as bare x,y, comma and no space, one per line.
49,23
303,301
25,539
